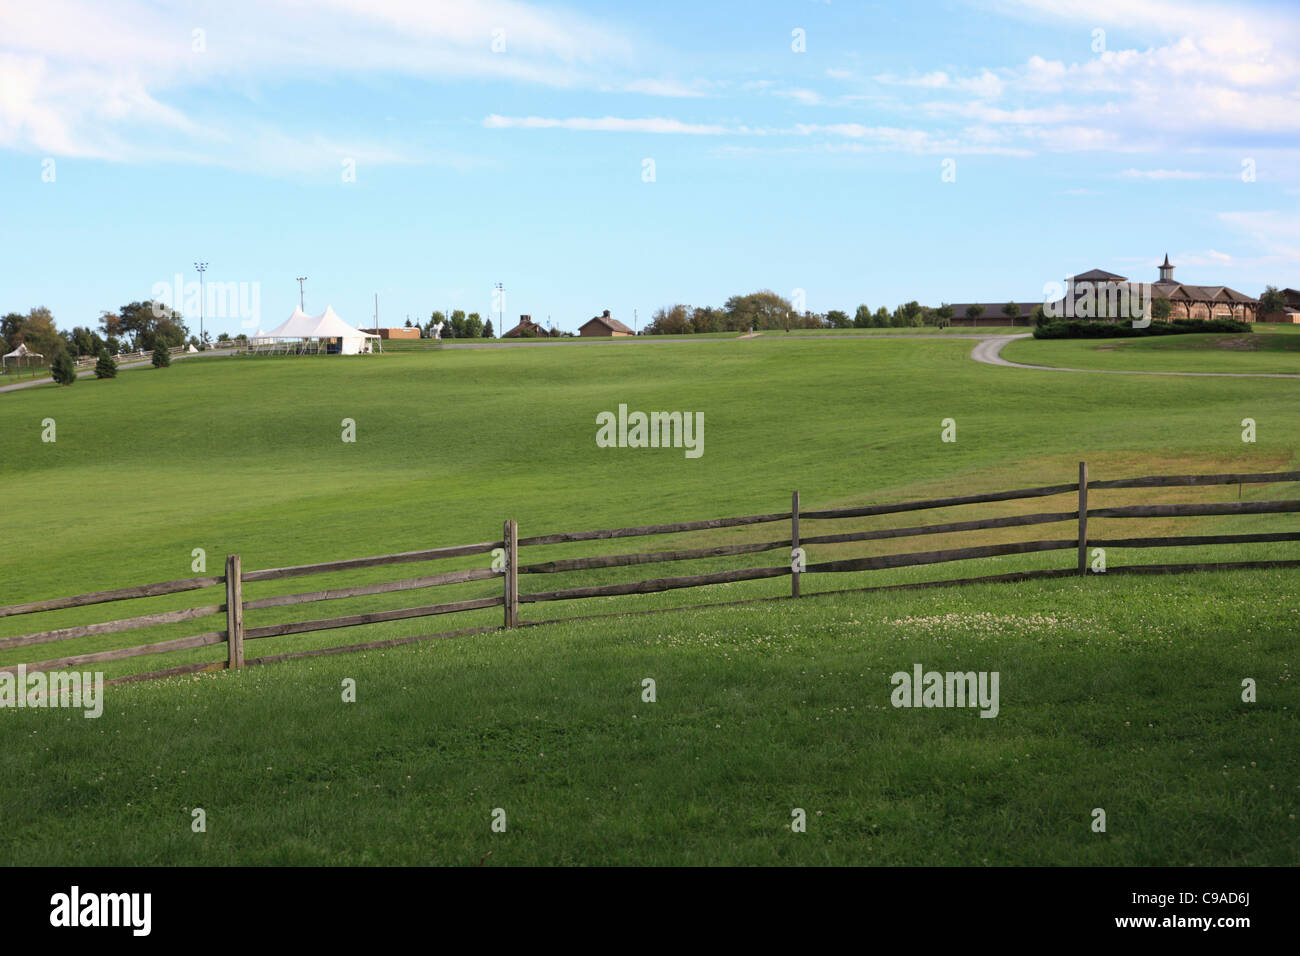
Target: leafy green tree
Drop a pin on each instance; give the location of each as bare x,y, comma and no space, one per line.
862,317
151,324
1161,308
943,315
671,320
457,324
161,357
974,311
907,315
1011,311
85,341
761,310
1271,301
881,319
708,319
62,370
36,330
105,367
838,320
473,326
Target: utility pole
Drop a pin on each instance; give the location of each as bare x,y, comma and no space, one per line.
201,267
301,280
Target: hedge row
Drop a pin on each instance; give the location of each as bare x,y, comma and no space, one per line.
1096,329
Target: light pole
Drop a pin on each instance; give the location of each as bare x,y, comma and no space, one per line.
201,267
501,306
301,307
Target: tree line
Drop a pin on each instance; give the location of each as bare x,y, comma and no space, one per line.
766,310
137,326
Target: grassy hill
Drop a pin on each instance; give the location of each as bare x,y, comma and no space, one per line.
245,454
1119,693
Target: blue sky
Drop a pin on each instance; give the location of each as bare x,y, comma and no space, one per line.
1081,134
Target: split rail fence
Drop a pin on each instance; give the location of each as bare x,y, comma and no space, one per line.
505,564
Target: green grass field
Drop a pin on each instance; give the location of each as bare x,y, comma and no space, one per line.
1119,694
245,455
1267,349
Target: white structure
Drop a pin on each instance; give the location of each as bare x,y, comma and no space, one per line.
20,353
322,330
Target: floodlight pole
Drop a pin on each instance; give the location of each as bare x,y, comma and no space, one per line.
301,280
201,267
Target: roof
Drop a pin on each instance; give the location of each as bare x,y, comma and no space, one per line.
525,323
1166,264
1099,275
1200,293
327,325
609,322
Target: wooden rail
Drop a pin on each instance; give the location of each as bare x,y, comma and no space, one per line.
505,564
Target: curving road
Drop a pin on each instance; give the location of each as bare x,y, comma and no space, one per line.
989,352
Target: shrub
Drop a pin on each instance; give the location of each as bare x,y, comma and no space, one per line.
1092,329
161,357
105,367
62,370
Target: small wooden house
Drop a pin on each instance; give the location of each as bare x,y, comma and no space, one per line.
603,324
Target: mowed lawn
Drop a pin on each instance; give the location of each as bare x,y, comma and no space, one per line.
245,455
1268,349
1118,694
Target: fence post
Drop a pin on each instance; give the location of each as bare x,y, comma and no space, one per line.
511,535
794,542
234,612
1083,517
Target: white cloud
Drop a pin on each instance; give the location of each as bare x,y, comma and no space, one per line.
609,124
1166,174
1278,234
80,79
806,97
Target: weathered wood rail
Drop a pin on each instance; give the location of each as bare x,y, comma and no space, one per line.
506,565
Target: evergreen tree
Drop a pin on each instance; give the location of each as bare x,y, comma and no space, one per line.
105,367
161,357
62,370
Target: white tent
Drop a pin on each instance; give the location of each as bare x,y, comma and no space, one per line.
191,348
327,325
22,352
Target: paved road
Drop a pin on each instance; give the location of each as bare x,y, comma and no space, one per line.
989,352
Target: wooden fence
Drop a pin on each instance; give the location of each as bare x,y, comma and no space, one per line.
506,565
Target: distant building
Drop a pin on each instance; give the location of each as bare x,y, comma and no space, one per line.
397,333
1290,312
526,329
1185,301
603,324
992,314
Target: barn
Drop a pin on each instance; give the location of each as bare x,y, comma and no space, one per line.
603,324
